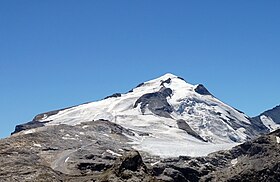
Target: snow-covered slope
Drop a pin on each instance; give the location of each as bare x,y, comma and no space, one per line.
269,119
168,116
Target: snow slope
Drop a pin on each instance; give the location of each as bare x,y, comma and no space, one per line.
152,111
269,123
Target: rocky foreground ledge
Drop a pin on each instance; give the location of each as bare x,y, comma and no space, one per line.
98,151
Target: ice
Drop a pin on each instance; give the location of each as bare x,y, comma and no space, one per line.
113,153
66,159
175,148
269,123
37,145
234,161
277,139
155,163
29,131
68,137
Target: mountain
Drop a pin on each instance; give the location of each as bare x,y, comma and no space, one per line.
270,119
162,130
167,116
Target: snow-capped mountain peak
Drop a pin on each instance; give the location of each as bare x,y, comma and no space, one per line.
164,77
164,112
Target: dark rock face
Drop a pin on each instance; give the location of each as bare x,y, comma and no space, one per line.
94,166
156,102
174,174
50,113
132,161
181,78
27,126
184,126
202,90
166,81
35,123
42,115
130,167
114,95
139,85
258,125
180,169
274,114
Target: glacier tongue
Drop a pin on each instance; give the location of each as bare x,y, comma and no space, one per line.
155,107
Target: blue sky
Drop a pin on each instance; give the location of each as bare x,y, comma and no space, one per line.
59,53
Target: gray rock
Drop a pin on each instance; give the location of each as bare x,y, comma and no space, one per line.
184,126
202,90
156,102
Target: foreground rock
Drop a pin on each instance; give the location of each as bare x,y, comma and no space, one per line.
98,151
128,168
257,160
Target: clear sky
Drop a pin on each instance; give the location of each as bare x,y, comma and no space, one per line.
59,53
